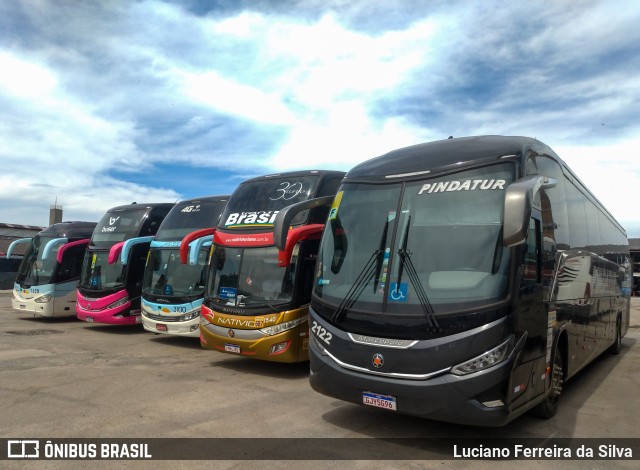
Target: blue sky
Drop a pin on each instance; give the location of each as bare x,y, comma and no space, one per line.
108,102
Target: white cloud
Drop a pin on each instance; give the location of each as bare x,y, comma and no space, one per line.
25,79
90,90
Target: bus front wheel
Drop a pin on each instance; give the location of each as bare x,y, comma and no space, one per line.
549,405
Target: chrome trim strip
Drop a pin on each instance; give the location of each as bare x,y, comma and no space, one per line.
381,342
392,375
223,332
415,173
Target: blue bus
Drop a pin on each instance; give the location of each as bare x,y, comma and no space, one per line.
172,292
47,278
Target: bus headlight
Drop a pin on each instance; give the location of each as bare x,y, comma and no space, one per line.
483,361
119,303
190,315
280,327
43,299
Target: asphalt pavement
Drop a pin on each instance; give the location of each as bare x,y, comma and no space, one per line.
63,378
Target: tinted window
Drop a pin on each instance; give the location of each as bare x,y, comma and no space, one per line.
187,217
118,226
256,204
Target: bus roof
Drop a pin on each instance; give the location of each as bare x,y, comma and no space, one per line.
191,214
70,229
195,200
140,205
442,154
289,174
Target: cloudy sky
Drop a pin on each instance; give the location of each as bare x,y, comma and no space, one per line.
107,102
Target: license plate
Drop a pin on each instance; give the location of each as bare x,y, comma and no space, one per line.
161,327
234,348
89,319
379,401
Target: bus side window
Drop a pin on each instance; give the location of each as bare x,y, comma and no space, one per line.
531,266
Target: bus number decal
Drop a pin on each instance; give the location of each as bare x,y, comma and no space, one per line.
288,191
180,309
321,333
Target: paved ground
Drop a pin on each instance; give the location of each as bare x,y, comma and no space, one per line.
65,378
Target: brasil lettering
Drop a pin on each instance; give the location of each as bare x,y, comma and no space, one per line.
466,185
251,218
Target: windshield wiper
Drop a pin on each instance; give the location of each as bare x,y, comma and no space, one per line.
405,260
365,275
372,268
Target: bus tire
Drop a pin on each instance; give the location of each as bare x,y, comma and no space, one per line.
617,345
549,406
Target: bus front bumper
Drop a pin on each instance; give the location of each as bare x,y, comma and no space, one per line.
288,346
30,306
447,397
190,328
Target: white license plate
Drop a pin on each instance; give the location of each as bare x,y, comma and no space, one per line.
234,348
379,401
89,319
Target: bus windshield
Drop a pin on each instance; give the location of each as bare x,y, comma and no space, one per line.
98,274
118,226
34,270
189,216
256,204
248,277
166,276
442,252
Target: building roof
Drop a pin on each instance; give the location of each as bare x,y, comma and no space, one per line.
11,232
634,244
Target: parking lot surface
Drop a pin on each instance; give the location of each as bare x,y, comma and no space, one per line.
62,378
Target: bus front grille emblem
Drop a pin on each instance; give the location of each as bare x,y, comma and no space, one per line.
377,360
231,333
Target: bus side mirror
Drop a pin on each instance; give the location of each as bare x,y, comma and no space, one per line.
285,216
188,238
517,207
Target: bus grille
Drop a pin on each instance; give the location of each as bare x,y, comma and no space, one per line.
161,317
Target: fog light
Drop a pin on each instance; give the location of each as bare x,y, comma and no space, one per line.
193,328
279,348
493,403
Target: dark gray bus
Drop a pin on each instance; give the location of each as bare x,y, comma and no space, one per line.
464,280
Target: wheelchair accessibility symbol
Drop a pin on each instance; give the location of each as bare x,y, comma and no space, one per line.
398,293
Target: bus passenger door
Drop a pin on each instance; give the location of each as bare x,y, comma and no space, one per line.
531,317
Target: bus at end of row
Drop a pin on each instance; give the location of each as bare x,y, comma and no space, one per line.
47,277
172,292
256,303
111,279
464,280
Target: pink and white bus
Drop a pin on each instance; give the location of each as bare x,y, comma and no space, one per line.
111,280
